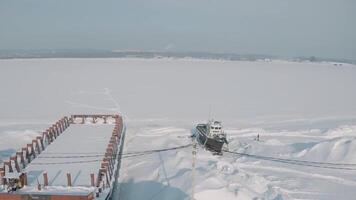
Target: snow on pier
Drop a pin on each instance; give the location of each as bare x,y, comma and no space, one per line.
77,157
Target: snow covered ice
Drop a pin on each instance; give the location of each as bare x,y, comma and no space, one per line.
303,111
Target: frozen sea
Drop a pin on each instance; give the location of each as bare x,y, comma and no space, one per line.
303,111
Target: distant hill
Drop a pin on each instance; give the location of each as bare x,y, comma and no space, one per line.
87,53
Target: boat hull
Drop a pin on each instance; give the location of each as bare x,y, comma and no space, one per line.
211,144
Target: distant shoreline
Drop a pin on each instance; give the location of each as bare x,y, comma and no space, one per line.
43,54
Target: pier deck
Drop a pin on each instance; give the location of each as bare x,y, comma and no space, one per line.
80,162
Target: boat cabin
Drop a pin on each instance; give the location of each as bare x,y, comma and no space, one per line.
214,128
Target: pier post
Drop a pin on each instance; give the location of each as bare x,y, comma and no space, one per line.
55,131
2,174
105,170
111,160
46,137
66,121
50,134
61,122
92,180
25,149
109,154
59,127
112,150
24,178
105,164
32,151
37,146
8,163
45,179
40,138
69,180
22,159
14,158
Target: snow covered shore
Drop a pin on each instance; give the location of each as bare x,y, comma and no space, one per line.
302,111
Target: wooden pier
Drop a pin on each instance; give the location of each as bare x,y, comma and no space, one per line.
77,158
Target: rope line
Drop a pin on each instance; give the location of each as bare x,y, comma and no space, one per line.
326,165
123,155
87,154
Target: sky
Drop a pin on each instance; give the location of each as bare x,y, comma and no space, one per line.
322,28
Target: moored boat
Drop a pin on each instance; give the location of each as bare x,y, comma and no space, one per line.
211,136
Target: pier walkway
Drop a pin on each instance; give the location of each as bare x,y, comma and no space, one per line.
76,158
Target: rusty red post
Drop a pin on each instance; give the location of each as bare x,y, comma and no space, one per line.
92,180
37,146
32,151
69,180
110,152
110,158
52,134
27,154
2,174
62,124
24,178
65,123
98,178
46,135
8,163
17,166
55,131
40,138
104,172
58,131
59,127
112,147
22,159
65,119
45,179
107,177
106,166
113,150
